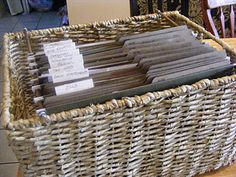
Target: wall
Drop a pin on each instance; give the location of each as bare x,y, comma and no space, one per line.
86,11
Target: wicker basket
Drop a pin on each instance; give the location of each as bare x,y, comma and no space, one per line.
178,132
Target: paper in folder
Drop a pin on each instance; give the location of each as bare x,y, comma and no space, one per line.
64,75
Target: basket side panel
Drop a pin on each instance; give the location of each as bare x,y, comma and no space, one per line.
176,136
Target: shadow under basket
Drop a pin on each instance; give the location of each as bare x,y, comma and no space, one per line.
182,132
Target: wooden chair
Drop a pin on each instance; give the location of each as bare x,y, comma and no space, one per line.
208,5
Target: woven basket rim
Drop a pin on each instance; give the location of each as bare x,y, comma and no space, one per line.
127,102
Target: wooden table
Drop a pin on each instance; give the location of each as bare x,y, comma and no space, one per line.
225,171
230,41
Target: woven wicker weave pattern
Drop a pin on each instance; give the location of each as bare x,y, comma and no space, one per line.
177,132
181,135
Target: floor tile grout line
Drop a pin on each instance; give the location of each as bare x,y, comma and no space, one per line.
20,20
60,21
15,24
39,21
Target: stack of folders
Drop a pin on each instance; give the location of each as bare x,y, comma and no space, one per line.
66,74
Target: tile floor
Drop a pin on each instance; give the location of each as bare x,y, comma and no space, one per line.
8,23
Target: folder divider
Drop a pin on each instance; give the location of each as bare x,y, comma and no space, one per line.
149,61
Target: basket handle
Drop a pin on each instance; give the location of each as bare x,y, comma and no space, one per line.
202,30
167,18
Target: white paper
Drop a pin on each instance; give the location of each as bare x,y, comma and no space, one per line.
70,75
80,65
51,44
63,54
69,58
67,67
66,60
74,87
59,49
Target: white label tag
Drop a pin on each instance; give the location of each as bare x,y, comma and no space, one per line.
69,75
69,60
66,62
51,44
63,54
59,49
74,87
80,65
72,59
67,67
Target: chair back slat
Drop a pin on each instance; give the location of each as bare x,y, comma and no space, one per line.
208,5
232,20
219,3
222,22
211,25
